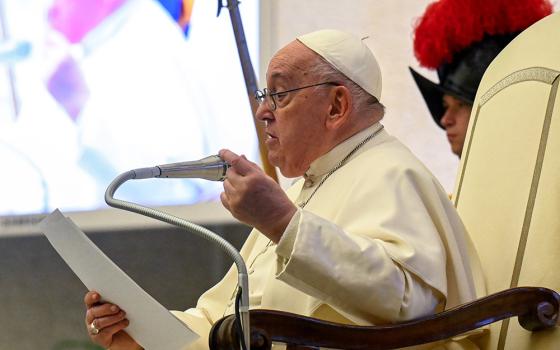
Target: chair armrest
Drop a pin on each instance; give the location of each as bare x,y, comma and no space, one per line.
536,308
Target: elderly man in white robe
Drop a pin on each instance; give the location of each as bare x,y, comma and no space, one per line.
367,236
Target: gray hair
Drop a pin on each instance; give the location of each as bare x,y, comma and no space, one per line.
363,101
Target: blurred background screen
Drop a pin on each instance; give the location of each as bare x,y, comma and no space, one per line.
92,88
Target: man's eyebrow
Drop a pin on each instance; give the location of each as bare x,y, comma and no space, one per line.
278,75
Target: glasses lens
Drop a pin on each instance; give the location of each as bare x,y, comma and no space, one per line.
271,100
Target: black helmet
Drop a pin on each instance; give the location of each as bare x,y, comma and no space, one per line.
460,78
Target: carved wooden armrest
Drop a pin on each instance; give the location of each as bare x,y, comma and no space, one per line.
536,309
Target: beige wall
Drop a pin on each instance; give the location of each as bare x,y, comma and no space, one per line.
388,23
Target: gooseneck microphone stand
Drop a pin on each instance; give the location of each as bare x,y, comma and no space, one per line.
210,168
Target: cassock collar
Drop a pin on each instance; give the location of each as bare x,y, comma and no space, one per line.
328,161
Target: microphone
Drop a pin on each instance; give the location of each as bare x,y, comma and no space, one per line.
211,168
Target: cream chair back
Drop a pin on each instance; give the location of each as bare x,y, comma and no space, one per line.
508,186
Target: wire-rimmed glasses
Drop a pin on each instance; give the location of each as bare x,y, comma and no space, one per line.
261,95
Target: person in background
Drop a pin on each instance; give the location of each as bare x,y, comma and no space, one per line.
459,39
366,236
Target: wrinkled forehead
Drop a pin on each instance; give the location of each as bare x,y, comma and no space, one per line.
292,63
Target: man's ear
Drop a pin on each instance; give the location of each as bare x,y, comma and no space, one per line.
340,107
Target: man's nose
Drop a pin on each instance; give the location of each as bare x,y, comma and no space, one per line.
263,112
447,119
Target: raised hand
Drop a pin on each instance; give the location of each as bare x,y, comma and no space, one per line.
255,198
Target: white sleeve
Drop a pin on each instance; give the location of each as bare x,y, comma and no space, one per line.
198,321
354,274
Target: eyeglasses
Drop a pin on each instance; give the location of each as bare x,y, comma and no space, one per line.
261,95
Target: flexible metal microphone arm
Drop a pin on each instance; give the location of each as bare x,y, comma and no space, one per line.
230,250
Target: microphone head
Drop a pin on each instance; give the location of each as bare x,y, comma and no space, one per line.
211,168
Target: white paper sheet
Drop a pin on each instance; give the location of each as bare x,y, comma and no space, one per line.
151,324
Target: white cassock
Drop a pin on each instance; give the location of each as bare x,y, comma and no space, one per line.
379,242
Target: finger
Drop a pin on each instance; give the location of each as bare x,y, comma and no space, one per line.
242,165
229,187
105,336
253,165
232,178
225,200
101,311
227,155
91,298
107,321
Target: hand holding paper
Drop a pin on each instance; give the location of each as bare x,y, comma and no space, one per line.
151,324
106,324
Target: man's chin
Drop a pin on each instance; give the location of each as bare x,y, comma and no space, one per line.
291,172
457,151
288,175
287,171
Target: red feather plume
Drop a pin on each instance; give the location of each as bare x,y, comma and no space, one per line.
449,26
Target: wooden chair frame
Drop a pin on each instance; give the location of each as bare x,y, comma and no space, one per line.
536,308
